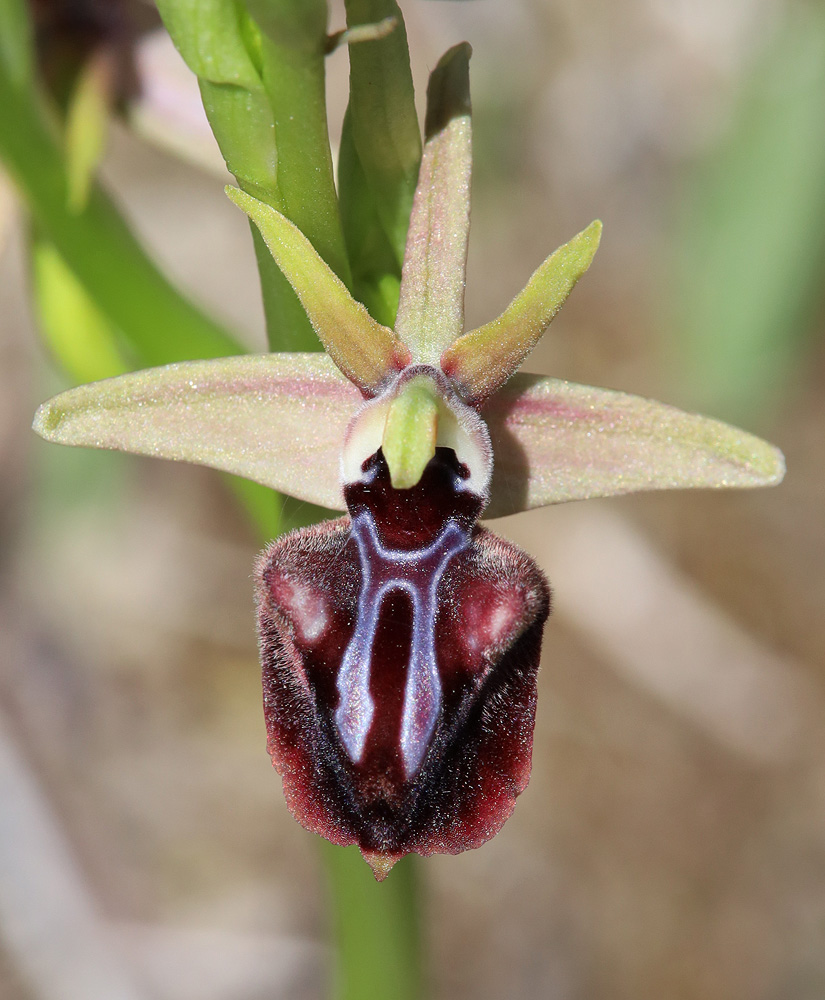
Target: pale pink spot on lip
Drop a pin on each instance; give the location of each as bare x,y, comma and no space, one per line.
490,621
306,607
501,620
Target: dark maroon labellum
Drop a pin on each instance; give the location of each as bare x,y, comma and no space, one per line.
400,647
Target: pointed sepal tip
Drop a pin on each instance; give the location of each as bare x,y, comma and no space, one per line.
366,351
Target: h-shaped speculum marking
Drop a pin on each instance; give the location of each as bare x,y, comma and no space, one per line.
417,572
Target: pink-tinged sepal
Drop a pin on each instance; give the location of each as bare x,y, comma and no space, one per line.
400,651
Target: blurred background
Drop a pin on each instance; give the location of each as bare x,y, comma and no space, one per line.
672,840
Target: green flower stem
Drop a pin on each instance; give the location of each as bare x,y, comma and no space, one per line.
105,256
294,81
376,927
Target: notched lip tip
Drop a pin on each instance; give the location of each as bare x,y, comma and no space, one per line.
381,864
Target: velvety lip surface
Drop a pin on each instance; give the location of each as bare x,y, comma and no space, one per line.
492,602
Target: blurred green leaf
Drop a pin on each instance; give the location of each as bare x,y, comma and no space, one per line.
87,126
751,244
154,318
112,285
16,42
75,329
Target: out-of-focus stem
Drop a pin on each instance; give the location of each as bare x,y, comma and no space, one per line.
376,927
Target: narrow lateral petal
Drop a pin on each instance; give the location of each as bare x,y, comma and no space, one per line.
431,305
365,351
278,419
555,441
482,360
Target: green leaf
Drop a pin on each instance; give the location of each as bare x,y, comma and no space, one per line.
365,351
376,272
221,46
244,129
383,123
300,25
210,37
87,126
16,43
294,79
556,441
277,419
481,361
77,332
431,304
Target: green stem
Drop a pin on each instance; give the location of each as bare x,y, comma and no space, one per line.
376,927
294,81
104,254
293,77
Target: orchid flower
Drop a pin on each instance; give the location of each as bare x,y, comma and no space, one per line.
400,643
